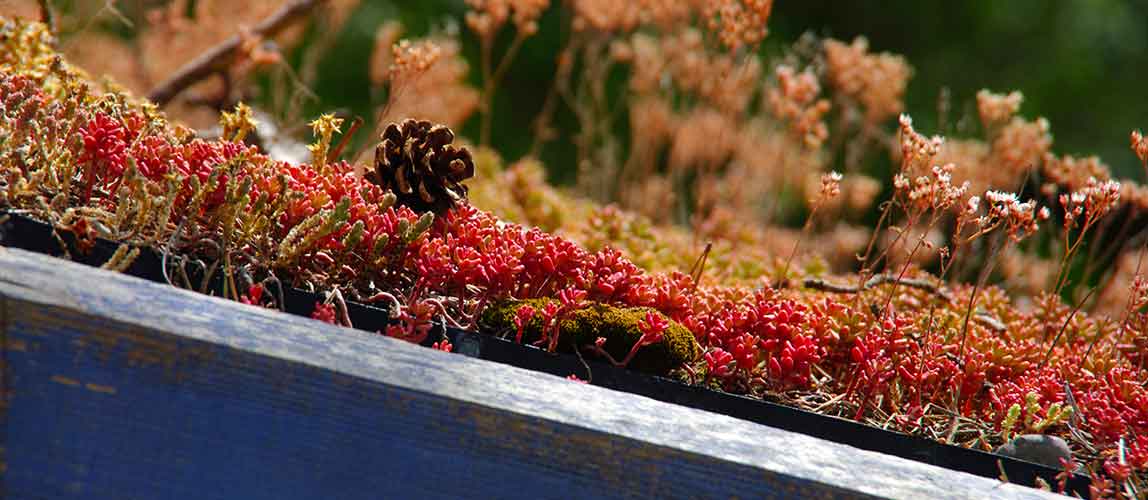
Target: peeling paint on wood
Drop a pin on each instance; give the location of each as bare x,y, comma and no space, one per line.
103,389
213,399
60,379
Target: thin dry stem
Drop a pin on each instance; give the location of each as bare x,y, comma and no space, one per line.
221,56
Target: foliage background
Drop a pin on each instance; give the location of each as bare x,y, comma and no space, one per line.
1080,63
1083,64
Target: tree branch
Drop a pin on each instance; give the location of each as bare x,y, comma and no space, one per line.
220,56
48,17
980,317
877,280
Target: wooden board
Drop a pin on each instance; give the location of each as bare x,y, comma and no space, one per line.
119,388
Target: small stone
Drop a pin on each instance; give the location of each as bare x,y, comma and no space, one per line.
1037,448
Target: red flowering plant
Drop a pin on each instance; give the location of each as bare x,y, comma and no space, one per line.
960,364
652,327
325,313
522,316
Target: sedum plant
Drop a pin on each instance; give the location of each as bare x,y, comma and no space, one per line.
892,346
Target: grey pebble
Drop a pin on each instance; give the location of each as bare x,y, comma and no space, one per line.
1037,448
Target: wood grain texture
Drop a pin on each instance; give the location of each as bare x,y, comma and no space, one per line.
119,388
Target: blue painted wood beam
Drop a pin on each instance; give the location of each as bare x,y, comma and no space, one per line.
114,387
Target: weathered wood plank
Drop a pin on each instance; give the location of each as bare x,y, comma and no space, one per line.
119,388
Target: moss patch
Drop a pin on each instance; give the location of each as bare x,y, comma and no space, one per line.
618,325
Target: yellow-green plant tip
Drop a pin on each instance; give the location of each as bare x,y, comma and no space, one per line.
388,201
354,236
423,224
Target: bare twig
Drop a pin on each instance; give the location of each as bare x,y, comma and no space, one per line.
981,317
108,8
331,158
1064,326
541,126
826,286
1127,308
47,16
589,372
336,297
491,79
272,279
877,280
804,232
699,266
981,279
220,56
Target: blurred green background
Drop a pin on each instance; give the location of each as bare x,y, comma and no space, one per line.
1083,64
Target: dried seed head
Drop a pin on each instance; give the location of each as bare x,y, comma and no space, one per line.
738,23
486,17
1021,145
431,86
1073,173
795,101
1140,147
997,109
606,16
830,185
876,81
1018,218
412,58
1091,202
935,191
382,54
917,151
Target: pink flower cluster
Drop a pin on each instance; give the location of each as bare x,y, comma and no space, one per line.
1020,219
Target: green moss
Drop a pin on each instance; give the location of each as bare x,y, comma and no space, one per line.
618,325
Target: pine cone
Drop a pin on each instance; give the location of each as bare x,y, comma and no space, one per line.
417,162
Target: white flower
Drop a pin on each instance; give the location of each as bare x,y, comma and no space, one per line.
973,205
